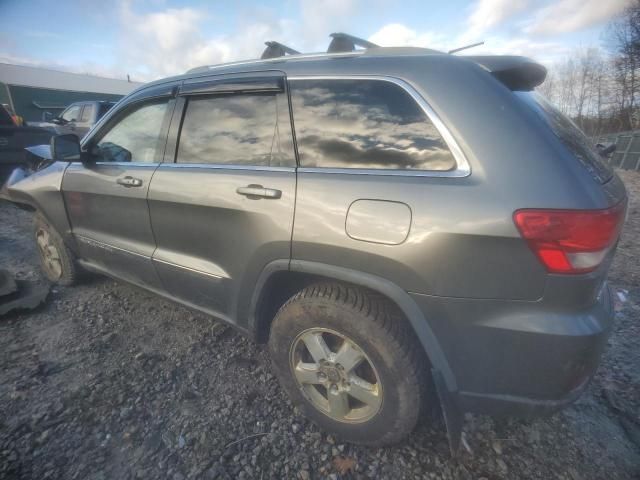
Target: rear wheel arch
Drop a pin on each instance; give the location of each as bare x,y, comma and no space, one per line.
282,279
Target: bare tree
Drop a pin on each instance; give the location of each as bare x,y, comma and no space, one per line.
624,34
600,89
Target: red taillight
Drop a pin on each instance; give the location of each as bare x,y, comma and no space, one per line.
570,241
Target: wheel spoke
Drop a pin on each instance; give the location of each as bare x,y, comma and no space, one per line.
338,403
349,356
42,243
307,373
364,391
317,346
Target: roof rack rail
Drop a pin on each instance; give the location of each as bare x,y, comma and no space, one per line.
275,49
343,42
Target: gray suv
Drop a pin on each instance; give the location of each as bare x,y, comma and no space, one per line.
403,227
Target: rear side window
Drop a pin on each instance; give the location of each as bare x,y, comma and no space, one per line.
369,124
238,129
87,113
71,114
569,134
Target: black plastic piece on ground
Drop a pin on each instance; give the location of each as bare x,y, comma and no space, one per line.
7,283
28,295
452,416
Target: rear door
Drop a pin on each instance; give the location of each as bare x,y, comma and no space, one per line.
107,200
222,203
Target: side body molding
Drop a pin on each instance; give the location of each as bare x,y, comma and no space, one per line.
392,291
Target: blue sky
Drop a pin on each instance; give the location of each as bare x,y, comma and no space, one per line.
153,38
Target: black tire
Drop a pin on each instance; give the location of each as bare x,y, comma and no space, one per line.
376,326
67,274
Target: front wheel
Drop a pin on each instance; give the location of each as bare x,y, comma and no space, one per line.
57,261
346,358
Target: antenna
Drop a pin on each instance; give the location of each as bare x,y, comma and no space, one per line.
343,42
459,49
275,49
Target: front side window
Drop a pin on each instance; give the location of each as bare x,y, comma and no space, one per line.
71,114
238,129
370,124
87,113
136,137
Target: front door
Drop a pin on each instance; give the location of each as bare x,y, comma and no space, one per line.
222,202
106,199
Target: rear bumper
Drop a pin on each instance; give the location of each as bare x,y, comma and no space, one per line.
518,358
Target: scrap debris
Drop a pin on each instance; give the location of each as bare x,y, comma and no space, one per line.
20,294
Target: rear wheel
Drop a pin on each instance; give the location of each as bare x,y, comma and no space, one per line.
346,358
57,261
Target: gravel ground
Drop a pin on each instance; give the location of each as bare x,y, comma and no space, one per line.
108,382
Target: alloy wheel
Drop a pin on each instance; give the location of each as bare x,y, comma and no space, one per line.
335,375
49,254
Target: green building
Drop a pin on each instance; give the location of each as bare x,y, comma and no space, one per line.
32,91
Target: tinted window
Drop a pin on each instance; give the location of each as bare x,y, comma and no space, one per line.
71,114
87,113
236,129
569,134
135,137
104,108
364,124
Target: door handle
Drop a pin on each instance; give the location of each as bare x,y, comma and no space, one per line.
258,191
129,182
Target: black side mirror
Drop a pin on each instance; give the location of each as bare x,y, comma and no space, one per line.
606,150
65,148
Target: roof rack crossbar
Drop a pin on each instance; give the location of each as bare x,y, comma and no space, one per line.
275,49
343,42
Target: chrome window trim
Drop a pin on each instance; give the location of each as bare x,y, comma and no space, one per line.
463,169
222,166
121,164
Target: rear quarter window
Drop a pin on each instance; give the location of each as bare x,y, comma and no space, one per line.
366,124
569,134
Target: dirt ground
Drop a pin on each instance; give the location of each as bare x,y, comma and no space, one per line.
108,382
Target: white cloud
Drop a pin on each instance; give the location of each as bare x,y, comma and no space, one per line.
322,17
573,15
171,41
488,14
546,52
398,35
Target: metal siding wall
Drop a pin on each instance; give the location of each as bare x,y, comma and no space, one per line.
627,154
24,98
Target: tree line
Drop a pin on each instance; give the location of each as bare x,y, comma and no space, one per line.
600,88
